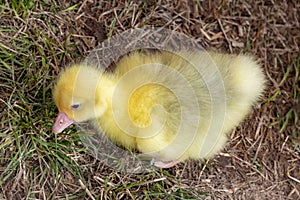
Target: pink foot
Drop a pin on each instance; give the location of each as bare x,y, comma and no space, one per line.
167,164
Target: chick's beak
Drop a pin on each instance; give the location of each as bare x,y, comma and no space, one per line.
62,121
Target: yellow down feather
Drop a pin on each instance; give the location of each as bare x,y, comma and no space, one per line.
170,106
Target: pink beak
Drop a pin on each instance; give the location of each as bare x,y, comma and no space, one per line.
62,121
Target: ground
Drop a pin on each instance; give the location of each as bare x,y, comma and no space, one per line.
39,38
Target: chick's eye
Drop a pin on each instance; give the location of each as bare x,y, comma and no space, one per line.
75,106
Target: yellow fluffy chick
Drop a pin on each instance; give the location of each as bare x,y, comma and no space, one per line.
171,106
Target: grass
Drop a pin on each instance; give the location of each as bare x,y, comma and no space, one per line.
38,38
288,120
37,161
28,148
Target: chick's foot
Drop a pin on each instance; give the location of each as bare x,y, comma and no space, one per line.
165,164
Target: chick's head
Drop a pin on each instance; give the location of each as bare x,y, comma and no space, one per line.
77,96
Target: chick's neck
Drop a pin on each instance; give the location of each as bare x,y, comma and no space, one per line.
106,87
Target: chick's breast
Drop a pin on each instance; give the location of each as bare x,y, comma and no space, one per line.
156,110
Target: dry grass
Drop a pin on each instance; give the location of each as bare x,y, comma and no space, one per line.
38,38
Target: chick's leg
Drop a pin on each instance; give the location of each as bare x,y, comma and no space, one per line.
165,164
